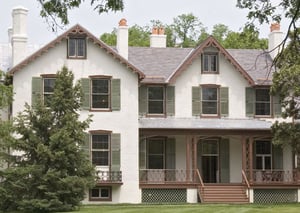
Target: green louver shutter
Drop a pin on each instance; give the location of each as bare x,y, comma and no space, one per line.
277,157
86,88
115,151
115,94
224,160
86,146
170,101
36,89
196,101
142,154
224,101
250,101
143,100
276,106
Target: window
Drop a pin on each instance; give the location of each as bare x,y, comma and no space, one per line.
100,149
210,62
263,158
77,48
100,93
210,100
100,194
48,89
262,102
156,100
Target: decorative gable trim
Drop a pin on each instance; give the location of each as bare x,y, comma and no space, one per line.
210,41
75,31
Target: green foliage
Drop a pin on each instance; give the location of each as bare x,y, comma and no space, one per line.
110,38
58,9
186,27
247,39
50,172
286,133
138,36
6,90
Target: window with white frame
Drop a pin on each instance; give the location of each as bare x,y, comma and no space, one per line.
156,99
263,155
100,193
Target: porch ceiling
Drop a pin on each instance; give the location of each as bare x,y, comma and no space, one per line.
181,126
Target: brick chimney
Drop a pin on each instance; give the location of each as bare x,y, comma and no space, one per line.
158,37
275,39
122,38
19,34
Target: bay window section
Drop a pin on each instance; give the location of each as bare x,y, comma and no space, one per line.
210,100
48,90
100,149
263,102
101,93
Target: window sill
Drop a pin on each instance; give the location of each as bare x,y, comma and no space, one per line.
210,116
77,57
210,72
100,199
263,116
100,110
156,115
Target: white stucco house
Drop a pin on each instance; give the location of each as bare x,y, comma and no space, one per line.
169,124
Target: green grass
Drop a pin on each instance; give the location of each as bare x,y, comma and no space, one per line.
203,208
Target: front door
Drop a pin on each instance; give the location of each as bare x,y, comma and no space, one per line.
209,160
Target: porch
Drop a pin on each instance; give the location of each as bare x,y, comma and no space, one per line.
210,155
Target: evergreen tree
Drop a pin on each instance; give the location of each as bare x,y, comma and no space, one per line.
50,171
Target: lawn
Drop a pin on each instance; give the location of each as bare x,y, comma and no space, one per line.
208,208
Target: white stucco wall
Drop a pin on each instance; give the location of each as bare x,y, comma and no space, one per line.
125,121
228,77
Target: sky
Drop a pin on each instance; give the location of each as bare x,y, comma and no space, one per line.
140,12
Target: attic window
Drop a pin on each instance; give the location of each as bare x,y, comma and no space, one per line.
210,63
77,47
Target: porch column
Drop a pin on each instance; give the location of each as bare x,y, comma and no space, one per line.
244,153
188,157
194,157
250,156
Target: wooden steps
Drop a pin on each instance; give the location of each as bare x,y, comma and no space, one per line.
224,194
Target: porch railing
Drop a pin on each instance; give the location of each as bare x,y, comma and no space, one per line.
274,176
160,176
201,186
109,176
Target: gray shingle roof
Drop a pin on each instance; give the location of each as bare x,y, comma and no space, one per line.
257,63
157,63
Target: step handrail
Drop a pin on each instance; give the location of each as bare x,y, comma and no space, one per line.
201,187
245,179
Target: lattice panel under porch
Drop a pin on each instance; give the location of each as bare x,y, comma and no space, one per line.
275,195
164,196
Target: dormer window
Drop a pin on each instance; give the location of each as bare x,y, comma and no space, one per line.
210,63
77,47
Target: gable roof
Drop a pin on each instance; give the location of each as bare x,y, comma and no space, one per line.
210,41
75,30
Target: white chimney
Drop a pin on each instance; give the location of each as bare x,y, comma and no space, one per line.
19,34
9,32
158,37
275,39
122,38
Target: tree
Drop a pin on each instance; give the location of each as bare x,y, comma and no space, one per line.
266,11
50,171
286,83
247,39
220,32
286,80
52,10
186,28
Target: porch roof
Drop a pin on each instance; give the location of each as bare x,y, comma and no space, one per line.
204,125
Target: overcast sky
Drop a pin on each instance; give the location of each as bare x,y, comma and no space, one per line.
140,12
